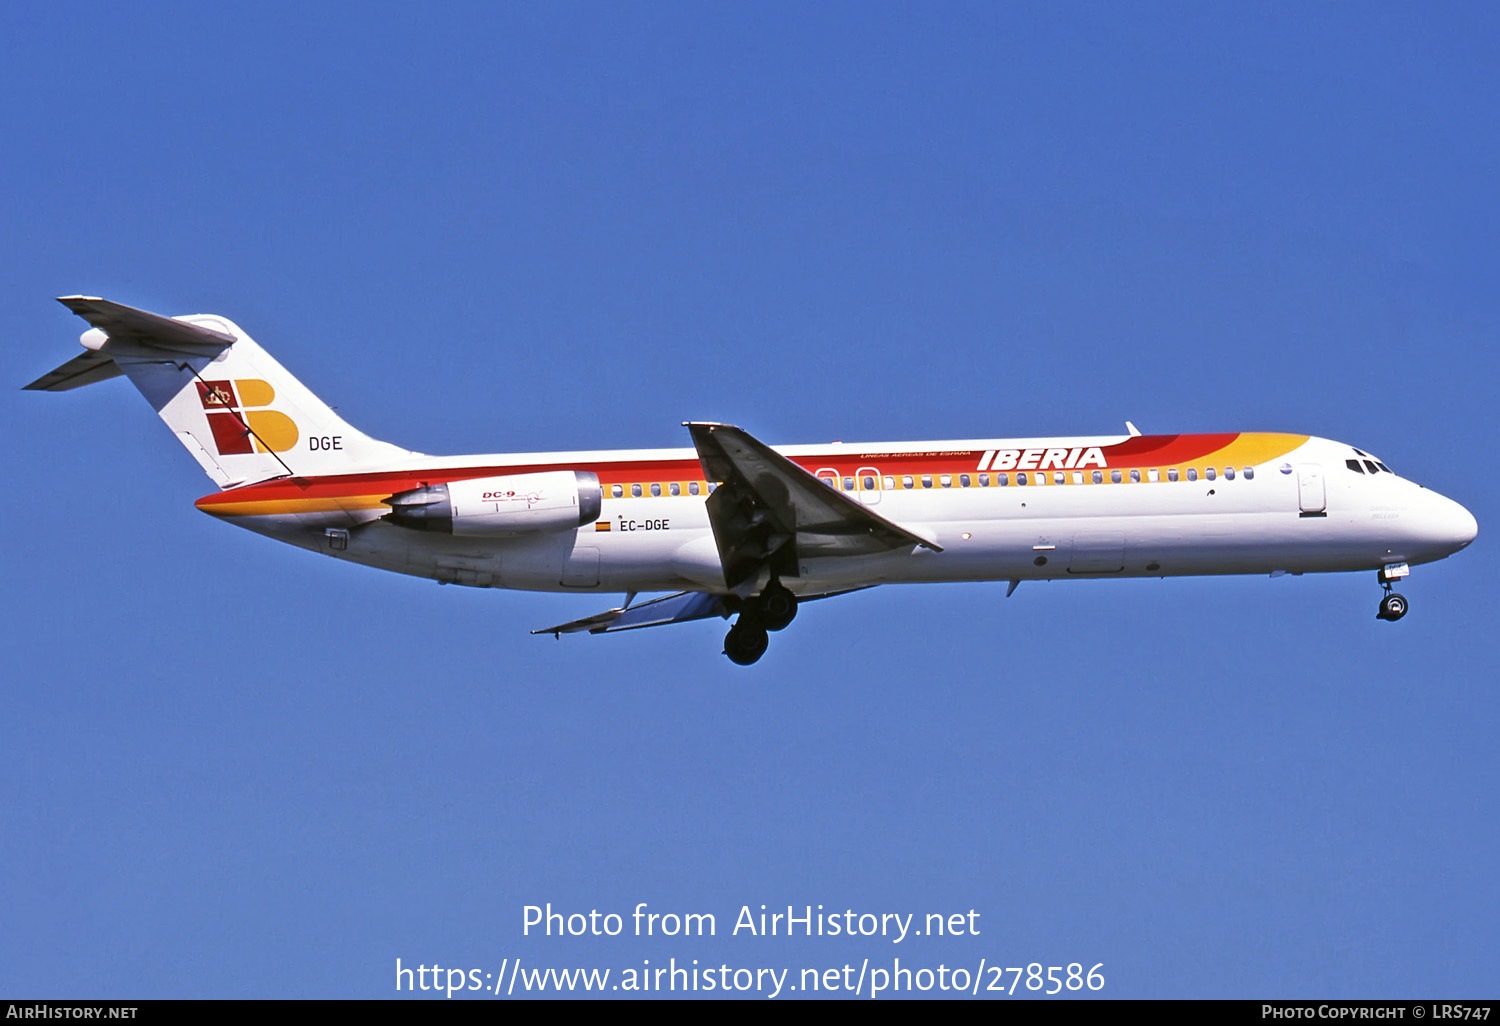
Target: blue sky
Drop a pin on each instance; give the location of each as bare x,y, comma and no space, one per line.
231,768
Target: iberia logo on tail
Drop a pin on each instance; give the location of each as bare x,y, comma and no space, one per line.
238,418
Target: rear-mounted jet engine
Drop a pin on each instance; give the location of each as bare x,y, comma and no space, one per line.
559,500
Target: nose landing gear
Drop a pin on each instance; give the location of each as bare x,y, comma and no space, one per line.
771,610
1393,606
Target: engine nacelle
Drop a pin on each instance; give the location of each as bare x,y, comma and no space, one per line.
557,500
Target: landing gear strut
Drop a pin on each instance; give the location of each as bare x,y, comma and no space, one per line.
1392,606
771,610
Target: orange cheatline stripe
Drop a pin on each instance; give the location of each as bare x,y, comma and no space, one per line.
273,507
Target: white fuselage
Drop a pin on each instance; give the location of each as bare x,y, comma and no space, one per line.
1303,511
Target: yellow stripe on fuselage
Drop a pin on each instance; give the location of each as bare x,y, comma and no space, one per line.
1254,448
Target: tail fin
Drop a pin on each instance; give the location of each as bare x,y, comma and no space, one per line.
240,414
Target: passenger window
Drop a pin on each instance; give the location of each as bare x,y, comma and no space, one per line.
1040,477
867,482
655,490
1153,475
1058,477
1002,480
829,478
946,480
1078,477
674,488
713,486
1171,473
984,480
1229,473
635,491
906,481
616,491
848,484
1098,477
926,480
1114,477
1208,474
964,481
1020,479
1192,473
692,487
1372,467
1249,473
890,483
1135,477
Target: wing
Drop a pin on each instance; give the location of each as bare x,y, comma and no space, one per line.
685,605
678,608
768,512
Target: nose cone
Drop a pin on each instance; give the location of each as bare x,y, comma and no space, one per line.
1465,527
1448,527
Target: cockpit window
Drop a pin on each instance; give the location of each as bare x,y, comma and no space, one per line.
1371,467
1383,467
1354,466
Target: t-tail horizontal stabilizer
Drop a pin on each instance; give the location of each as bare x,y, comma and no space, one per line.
235,409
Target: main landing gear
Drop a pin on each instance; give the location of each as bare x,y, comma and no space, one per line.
771,610
1393,606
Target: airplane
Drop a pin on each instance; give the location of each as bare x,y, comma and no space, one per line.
734,528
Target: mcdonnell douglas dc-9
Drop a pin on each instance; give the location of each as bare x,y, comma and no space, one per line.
735,528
